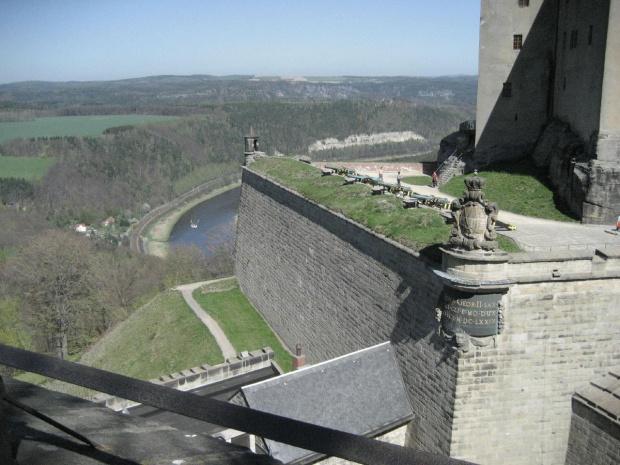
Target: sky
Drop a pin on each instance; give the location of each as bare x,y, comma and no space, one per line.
83,40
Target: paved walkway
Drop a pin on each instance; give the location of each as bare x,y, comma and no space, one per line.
536,234
228,351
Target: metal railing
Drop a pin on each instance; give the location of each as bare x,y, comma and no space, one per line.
293,432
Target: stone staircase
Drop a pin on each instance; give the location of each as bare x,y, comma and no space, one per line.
449,168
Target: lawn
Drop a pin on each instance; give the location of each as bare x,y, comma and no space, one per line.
71,125
243,325
418,180
22,167
162,337
419,229
518,188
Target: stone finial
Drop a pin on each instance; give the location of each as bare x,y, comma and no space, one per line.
251,146
474,218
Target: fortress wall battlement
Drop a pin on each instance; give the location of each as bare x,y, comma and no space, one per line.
336,287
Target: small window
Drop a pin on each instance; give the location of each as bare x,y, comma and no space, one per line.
590,31
574,35
517,41
507,89
523,3
564,40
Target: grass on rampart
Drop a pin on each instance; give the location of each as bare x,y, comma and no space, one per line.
418,180
24,167
244,327
518,188
162,337
419,229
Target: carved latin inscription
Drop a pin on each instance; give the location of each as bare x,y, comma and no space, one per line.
473,314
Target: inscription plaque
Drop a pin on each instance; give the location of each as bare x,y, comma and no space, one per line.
473,314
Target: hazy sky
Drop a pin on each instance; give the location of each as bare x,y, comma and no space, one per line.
63,40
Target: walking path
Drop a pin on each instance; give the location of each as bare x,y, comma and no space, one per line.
537,234
228,351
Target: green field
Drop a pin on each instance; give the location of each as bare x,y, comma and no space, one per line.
26,168
71,125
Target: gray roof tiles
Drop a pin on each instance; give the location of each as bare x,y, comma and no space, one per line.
362,393
603,395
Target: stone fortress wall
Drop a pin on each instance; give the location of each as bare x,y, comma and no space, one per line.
336,287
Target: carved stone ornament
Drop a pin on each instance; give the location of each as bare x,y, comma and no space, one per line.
474,218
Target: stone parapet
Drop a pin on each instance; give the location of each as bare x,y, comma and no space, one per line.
327,282
323,280
196,377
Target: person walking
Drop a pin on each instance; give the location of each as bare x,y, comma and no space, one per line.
381,173
435,179
398,178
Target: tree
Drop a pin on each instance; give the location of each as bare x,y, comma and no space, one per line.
54,278
184,264
123,278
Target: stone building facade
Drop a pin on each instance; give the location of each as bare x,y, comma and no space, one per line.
337,287
554,60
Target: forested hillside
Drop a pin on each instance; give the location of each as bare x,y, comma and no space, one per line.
132,165
202,89
97,283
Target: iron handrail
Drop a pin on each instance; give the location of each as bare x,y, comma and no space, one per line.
286,430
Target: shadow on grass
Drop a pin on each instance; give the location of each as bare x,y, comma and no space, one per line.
526,167
519,187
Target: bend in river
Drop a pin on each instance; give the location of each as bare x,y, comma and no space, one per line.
215,223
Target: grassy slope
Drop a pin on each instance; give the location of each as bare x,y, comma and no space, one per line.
243,325
71,125
518,188
162,337
418,229
26,168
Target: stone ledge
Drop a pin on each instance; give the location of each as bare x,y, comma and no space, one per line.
196,377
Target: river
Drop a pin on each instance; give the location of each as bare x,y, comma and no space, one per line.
216,220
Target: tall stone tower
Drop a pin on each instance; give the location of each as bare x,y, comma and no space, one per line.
515,70
548,80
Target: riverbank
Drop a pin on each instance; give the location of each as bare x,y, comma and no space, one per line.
159,231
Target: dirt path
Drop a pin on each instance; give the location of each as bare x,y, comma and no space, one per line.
228,351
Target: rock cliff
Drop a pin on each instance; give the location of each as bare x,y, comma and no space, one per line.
364,139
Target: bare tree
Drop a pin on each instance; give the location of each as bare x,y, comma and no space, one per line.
54,278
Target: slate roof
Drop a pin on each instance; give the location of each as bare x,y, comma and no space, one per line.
362,393
603,395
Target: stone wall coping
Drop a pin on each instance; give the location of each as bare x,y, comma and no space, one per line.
196,377
552,256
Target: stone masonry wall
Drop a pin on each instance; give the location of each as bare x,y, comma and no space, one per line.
334,286
593,440
516,398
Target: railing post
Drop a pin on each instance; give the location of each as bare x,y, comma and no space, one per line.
6,454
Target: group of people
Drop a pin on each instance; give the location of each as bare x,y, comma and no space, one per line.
399,177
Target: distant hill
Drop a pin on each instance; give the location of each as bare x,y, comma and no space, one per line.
198,89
